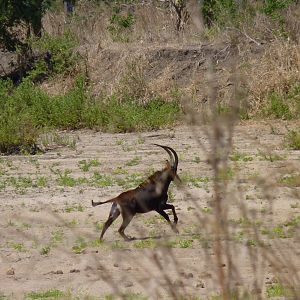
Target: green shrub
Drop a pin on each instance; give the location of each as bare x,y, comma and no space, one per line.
51,294
293,140
277,107
273,7
63,57
276,290
120,24
219,11
25,110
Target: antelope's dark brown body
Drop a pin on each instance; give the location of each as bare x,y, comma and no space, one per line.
150,195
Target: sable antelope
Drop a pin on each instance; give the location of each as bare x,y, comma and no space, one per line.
150,195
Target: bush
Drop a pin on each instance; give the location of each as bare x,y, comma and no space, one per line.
293,140
284,104
63,59
26,109
120,24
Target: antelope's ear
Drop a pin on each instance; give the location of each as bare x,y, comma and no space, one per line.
168,165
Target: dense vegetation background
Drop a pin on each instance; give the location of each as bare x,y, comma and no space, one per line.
51,45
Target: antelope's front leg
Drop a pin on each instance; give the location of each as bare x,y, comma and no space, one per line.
170,206
165,215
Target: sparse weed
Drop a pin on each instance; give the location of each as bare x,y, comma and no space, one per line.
101,180
275,290
52,140
120,170
117,245
49,294
185,243
226,174
120,142
237,156
85,165
295,205
150,243
57,237
153,220
193,180
64,179
98,226
269,156
290,180
134,161
75,207
207,210
18,246
80,245
276,107
197,159
41,181
45,250
72,223
140,140
293,140
251,243
171,195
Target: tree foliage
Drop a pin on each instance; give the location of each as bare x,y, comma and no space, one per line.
18,18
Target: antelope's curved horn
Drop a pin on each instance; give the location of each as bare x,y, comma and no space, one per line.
175,164
173,158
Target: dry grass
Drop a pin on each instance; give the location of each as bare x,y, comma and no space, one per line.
244,60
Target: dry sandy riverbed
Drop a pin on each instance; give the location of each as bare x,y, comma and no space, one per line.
49,231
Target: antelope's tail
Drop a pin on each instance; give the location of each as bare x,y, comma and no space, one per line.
99,203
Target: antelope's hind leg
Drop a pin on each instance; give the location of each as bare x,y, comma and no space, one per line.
113,215
127,217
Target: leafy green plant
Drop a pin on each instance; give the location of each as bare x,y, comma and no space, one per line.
277,107
45,250
150,243
207,210
275,290
85,165
237,156
63,58
225,174
134,161
194,180
26,110
18,246
57,236
120,25
54,139
74,207
290,180
293,140
41,181
101,180
197,159
80,245
272,8
49,294
270,156
185,243
64,179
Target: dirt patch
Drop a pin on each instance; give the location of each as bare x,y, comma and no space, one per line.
49,230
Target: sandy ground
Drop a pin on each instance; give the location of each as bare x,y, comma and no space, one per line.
49,230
